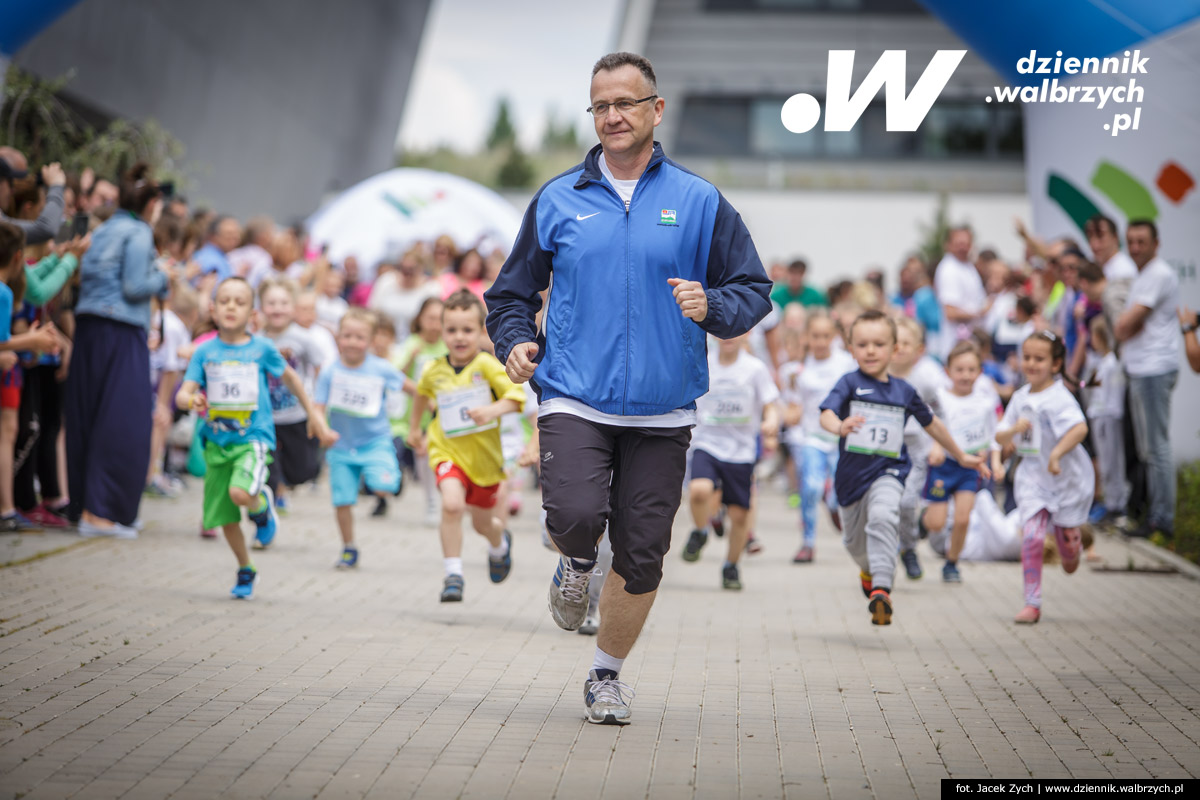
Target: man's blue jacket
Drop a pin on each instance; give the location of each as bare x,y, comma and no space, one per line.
613,336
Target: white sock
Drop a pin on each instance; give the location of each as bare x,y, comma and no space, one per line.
499,552
453,566
603,660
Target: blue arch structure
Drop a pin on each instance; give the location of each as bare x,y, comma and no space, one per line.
21,20
1002,33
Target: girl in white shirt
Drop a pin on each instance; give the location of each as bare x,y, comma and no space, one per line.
819,452
1055,482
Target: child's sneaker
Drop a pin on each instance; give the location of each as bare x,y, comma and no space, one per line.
864,579
266,521
912,566
210,533
381,507
349,558
244,588
803,556
156,490
452,589
282,506
950,573
17,522
46,518
591,623
753,545
695,543
498,568
730,578
717,523
880,607
1028,615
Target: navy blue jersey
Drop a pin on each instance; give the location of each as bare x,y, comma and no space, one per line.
877,448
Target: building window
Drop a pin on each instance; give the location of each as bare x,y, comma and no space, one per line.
742,127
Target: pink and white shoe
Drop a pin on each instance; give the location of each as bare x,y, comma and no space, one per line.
1028,615
209,533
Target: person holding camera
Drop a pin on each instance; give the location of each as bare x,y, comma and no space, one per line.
107,407
13,166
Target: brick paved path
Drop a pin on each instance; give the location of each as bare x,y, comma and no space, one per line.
126,671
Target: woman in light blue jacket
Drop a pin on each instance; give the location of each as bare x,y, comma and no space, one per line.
108,401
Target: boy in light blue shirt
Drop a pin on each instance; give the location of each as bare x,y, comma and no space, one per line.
226,383
354,392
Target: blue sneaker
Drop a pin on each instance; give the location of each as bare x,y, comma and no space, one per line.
1097,513
267,522
950,573
349,558
498,568
912,566
282,506
245,583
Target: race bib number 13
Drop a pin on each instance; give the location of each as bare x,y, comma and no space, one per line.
883,432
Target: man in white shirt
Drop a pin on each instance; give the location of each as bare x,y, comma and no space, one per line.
958,286
1119,269
1150,355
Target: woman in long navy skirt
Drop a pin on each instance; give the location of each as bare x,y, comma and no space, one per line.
108,402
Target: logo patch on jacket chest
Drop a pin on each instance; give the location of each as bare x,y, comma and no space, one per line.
667,217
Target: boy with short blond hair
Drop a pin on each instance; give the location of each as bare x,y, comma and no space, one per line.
354,392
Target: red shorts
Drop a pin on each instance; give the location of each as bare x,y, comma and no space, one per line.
478,496
11,381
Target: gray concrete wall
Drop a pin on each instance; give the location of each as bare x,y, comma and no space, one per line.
278,101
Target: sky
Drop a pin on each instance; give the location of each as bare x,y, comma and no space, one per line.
537,53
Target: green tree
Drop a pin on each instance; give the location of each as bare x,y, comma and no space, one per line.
559,136
933,236
516,172
503,133
35,120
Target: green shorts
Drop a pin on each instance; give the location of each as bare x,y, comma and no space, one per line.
243,466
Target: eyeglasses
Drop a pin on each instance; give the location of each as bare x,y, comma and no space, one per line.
622,106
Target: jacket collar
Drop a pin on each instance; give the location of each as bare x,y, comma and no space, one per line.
591,165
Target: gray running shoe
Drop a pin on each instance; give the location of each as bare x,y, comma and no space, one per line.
606,700
568,596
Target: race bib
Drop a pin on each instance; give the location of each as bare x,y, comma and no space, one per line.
356,395
883,432
397,404
231,386
730,405
453,407
1029,443
971,433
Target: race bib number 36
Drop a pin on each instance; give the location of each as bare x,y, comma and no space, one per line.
356,395
232,386
454,408
883,432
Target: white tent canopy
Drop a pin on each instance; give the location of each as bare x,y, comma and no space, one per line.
384,215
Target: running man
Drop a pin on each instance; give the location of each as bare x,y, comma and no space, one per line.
646,259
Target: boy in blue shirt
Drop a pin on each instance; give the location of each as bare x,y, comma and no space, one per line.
354,392
226,383
867,409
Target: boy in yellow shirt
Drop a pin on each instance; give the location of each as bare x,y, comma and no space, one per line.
471,392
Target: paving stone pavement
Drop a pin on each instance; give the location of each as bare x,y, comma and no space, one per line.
127,671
